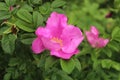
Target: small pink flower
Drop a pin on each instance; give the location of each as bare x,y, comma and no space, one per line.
11,8
94,40
57,36
109,15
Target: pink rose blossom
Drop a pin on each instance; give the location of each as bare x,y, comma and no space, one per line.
57,36
94,40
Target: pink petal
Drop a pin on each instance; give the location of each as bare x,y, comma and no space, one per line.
72,37
92,39
63,55
56,22
49,44
102,42
55,19
43,32
94,31
37,46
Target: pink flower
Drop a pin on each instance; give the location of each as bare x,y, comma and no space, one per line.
57,36
11,8
94,40
109,15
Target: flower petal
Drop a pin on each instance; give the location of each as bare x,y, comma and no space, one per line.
94,31
43,32
102,42
49,44
72,37
56,22
56,19
63,55
37,46
92,39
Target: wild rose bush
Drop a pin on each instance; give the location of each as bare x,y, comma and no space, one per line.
59,40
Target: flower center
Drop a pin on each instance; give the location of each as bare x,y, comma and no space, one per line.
57,40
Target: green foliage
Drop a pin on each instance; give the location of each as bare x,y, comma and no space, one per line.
67,65
20,18
37,19
8,43
24,15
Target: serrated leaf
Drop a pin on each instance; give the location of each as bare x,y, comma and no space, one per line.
27,41
4,15
50,61
77,64
16,75
24,15
3,6
22,66
2,29
107,51
45,8
114,46
107,63
13,62
27,7
67,65
36,1
7,76
57,3
22,26
63,76
116,33
8,43
37,19
27,38
59,10
10,2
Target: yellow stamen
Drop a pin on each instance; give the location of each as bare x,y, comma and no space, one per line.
57,40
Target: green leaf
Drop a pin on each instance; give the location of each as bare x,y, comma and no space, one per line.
114,46
22,25
77,64
58,3
116,33
24,15
8,43
22,66
3,29
63,76
67,65
117,4
16,75
36,1
27,38
59,10
107,63
7,76
4,15
50,61
45,8
28,77
107,51
27,7
13,62
27,41
3,6
10,2
37,19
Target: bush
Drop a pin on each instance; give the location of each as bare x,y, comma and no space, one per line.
20,18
